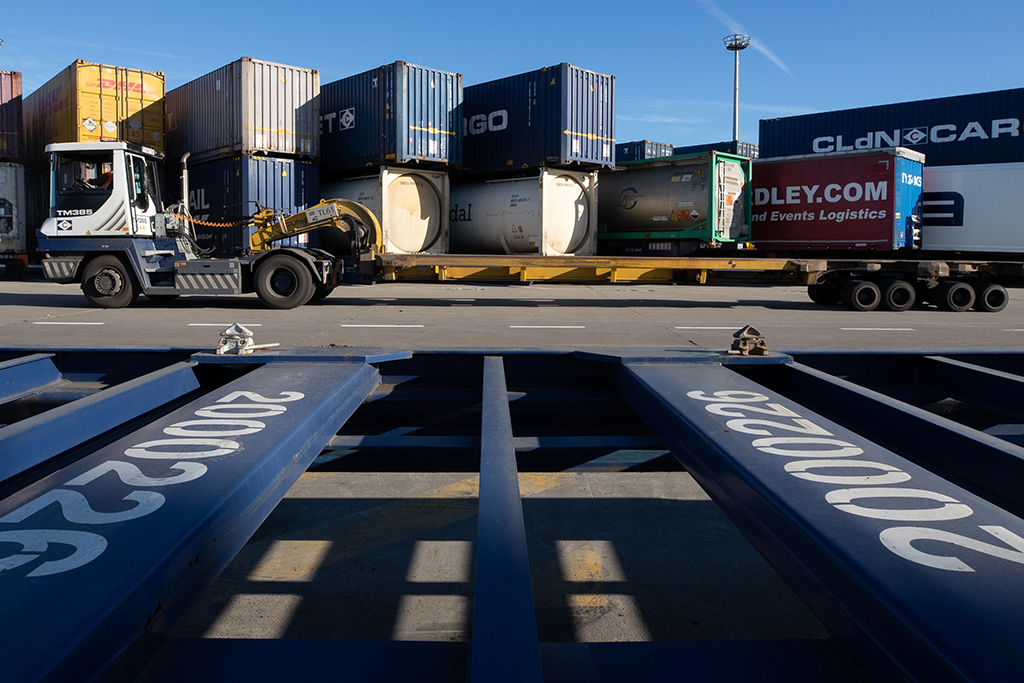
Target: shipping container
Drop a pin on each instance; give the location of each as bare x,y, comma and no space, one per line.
11,130
246,107
410,205
227,191
13,239
89,102
701,198
973,208
851,200
398,113
743,149
983,128
554,213
642,149
556,116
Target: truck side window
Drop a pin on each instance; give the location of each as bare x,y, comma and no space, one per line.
84,181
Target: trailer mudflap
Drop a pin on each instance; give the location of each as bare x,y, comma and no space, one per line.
62,269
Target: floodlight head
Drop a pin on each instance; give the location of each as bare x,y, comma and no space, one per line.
736,42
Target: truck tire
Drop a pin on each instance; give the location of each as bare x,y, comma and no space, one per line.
320,293
860,295
283,282
953,295
897,295
990,297
823,293
109,283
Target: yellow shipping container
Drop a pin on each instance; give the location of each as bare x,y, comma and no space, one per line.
89,102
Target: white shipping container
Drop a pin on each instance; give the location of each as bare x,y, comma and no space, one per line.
411,207
554,213
973,208
12,209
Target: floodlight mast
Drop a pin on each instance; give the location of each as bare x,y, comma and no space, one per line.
734,44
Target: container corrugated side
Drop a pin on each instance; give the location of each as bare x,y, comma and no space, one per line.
13,238
983,128
743,149
556,116
973,208
228,190
642,149
11,145
89,102
249,106
398,113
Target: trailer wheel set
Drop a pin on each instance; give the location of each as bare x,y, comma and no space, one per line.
858,293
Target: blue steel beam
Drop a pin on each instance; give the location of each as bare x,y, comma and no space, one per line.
35,440
505,643
1000,392
986,465
99,559
917,578
521,443
27,375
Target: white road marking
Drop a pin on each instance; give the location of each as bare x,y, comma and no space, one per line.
710,328
548,327
1014,330
380,325
877,329
223,325
57,323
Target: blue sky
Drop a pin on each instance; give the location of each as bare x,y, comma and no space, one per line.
673,74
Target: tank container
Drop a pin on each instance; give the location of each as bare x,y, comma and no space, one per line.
395,114
641,149
554,213
556,116
850,200
11,145
704,197
410,205
972,208
89,102
228,191
13,239
246,107
743,149
983,128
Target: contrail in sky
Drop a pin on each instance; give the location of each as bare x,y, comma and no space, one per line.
734,26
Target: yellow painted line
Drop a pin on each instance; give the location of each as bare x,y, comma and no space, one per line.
291,561
432,130
584,566
588,136
283,131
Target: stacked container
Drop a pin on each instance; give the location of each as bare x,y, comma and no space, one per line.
388,137
641,149
13,245
250,129
11,144
743,149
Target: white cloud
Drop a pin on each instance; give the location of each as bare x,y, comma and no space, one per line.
734,26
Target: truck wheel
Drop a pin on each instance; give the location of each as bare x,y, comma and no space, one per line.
108,283
990,297
953,295
823,293
320,293
898,295
860,295
283,282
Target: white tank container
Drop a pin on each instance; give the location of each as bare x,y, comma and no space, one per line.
411,206
554,213
12,209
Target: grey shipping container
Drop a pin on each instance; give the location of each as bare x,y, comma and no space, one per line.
11,142
398,113
641,149
743,149
556,116
12,209
984,128
228,191
246,107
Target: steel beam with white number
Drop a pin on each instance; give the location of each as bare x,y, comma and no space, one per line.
115,546
916,577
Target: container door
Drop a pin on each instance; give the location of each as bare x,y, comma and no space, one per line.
730,215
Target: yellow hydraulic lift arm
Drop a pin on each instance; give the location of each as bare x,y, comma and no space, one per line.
339,214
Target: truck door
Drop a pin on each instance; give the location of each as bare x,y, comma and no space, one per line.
143,194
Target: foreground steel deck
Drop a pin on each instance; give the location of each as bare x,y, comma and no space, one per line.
886,488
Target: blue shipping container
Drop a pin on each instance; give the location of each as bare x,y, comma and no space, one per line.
556,116
395,114
984,128
228,190
743,149
641,149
